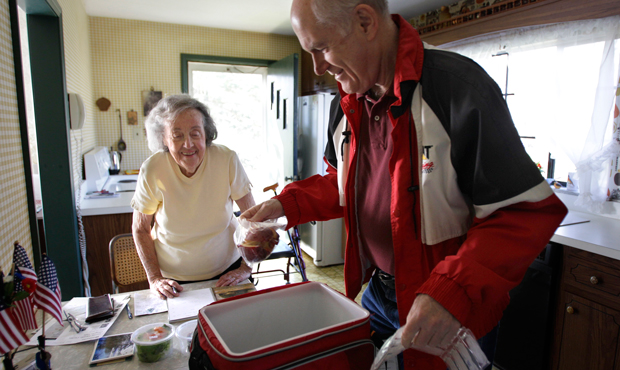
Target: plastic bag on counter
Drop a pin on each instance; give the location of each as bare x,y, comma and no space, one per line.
256,240
463,352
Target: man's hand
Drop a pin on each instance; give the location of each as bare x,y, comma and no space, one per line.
429,327
234,277
268,210
164,287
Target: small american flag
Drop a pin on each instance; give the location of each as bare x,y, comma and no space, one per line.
11,333
47,295
20,259
24,310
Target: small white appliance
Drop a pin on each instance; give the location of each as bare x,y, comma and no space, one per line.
321,240
97,164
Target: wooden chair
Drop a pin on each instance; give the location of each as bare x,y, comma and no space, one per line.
125,265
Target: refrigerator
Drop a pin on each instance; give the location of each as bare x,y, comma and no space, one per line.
322,240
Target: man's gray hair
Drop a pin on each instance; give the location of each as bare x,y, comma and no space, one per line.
337,13
166,111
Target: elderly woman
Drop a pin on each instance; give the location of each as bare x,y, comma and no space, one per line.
185,191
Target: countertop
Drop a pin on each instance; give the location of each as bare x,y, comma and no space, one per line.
107,206
601,235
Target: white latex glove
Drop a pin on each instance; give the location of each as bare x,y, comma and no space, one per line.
429,327
234,277
268,210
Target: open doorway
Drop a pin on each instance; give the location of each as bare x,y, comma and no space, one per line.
235,97
248,100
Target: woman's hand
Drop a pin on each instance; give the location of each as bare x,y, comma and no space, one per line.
234,277
267,210
430,327
165,288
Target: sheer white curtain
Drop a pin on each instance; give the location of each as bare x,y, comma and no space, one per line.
564,78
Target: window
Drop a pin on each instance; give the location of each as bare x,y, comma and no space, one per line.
539,83
560,84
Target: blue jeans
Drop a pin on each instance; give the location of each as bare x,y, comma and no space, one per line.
380,301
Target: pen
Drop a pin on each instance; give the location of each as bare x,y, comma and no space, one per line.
129,312
174,290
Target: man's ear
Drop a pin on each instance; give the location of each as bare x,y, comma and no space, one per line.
367,20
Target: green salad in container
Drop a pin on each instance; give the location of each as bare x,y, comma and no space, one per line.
153,341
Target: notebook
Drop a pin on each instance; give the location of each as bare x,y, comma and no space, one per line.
187,304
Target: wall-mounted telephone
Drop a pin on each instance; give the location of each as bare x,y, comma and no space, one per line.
77,112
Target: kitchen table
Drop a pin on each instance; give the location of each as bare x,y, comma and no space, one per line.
76,356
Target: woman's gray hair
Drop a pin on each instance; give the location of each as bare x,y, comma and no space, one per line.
337,13
166,111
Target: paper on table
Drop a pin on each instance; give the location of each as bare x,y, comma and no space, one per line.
95,330
187,304
146,302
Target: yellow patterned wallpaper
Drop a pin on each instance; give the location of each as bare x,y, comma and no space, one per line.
131,56
14,223
79,75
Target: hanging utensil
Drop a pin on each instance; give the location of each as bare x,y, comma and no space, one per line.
121,144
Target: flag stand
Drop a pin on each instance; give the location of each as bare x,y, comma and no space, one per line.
43,357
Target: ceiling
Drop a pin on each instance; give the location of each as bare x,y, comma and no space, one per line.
266,16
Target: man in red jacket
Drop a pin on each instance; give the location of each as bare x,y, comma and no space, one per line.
444,209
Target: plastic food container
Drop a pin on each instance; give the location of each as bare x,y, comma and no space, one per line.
153,341
184,333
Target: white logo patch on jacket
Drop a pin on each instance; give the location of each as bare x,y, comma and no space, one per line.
445,213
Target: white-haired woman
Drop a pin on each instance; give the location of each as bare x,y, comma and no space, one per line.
183,222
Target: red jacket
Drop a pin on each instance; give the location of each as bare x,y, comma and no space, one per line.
480,212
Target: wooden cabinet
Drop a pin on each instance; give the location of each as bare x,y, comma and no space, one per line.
310,82
587,329
536,13
99,230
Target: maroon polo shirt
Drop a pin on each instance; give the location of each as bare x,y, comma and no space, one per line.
373,185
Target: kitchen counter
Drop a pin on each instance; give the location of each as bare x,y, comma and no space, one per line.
103,219
601,235
108,206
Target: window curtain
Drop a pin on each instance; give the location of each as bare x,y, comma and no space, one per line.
564,78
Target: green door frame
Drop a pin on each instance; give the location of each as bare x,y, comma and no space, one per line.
45,38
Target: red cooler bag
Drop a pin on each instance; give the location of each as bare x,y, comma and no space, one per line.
301,326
